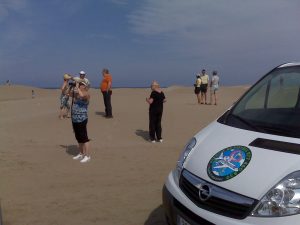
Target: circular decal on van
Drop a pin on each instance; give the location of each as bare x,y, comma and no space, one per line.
228,163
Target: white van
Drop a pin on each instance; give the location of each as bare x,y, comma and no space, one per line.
243,168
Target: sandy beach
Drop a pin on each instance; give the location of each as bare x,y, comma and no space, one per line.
42,185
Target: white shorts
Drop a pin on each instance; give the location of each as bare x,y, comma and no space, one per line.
214,88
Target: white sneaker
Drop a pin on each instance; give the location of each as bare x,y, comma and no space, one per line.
161,140
153,141
79,156
85,159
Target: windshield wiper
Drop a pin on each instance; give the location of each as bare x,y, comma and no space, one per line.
249,124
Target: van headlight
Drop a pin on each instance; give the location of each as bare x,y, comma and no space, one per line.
282,200
184,154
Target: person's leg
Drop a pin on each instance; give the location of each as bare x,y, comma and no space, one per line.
67,109
85,152
205,91
198,97
61,109
158,128
61,113
81,148
152,126
215,95
76,129
109,108
63,105
104,93
86,149
85,143
68,112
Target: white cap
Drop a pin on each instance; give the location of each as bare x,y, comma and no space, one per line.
82,72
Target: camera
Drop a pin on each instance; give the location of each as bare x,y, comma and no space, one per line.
72,84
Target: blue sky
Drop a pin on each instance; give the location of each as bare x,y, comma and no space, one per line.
144,40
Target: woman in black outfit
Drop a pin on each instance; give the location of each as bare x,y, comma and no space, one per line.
156,100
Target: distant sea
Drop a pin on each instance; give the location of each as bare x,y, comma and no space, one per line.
98,87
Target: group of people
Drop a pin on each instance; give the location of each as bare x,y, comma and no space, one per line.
77,88
203,82
68,85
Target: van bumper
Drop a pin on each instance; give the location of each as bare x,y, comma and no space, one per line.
177,205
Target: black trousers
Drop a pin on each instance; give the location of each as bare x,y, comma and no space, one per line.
155,124
107,102
80,131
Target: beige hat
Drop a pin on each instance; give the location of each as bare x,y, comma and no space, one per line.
77,79
67,76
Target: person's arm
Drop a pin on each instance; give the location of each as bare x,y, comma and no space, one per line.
87,82
108,86
149,100
87,96
109,81
64,85
70,91
82,94
100,85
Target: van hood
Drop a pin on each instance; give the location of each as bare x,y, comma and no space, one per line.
252,173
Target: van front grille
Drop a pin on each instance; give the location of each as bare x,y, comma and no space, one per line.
216,199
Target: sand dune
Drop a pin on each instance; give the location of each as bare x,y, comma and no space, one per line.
121,185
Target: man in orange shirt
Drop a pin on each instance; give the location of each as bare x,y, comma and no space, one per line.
105,88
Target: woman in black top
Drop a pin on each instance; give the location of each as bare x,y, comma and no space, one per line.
156,100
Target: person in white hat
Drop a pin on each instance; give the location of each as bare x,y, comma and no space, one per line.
82,77
64,97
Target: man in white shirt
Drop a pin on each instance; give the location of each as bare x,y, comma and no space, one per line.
203,87
82,77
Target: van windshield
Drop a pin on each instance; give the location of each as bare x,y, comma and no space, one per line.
271,106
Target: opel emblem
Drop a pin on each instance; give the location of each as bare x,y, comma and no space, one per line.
204,192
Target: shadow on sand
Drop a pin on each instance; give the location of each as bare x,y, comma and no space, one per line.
100,113
71,149
143,133
156,217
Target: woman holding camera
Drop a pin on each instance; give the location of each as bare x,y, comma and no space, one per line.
79,114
